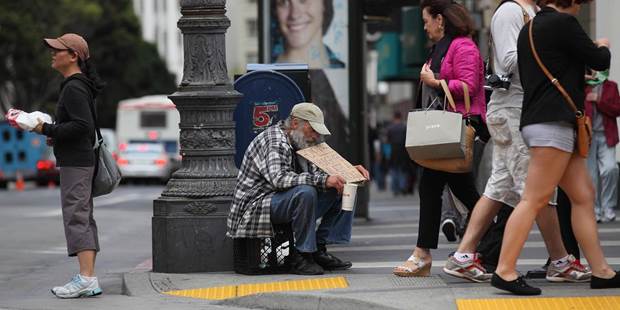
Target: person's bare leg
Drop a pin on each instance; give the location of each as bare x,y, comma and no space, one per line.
544,172
486,209
87,262
549,227
577,184
481,217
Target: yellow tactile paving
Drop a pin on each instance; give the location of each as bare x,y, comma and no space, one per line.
559,303
230,291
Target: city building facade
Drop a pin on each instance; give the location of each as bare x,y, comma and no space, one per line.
158,21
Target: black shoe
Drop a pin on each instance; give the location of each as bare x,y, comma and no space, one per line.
304,264
328,261
596,282
539,273
517,287
448,227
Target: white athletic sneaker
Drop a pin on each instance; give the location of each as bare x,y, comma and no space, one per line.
471,269
572,272
78,287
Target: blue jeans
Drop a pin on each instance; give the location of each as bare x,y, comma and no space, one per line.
604,172
301,206
399,180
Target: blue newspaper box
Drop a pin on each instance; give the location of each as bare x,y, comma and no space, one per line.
268,97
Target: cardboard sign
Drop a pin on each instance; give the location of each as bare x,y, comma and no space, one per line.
324,157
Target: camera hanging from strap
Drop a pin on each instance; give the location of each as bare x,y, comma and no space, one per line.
492,80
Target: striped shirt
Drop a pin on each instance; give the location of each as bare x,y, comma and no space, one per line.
269,165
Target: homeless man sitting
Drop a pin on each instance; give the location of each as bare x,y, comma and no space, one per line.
276,186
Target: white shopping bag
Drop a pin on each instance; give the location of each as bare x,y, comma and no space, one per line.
435,134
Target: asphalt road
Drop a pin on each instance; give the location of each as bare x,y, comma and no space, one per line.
33,255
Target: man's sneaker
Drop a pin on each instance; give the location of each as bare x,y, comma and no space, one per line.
471,269
572,272
448,227
580,267
78,287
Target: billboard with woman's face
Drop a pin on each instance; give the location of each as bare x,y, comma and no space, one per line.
315,32
309,31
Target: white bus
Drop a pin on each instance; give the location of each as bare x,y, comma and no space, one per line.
149,119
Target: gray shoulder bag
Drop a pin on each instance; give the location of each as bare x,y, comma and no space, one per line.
107,174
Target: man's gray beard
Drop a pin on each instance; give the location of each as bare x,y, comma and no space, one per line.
299,142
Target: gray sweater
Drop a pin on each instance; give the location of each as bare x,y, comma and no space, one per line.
505,27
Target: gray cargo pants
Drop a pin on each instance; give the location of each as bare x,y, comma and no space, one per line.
77,209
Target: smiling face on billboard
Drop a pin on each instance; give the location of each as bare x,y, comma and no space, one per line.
300,21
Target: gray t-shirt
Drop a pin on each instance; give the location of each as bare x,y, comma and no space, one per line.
505,27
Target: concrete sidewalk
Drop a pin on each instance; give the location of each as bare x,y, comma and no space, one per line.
370,291
377,246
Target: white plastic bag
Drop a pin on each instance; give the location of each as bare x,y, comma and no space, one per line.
11,115
27,121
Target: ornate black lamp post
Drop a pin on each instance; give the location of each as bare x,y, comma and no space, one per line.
189,219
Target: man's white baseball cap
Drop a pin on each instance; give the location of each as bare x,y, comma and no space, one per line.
313,114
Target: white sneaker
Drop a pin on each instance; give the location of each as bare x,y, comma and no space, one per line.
448,227
609,216
572,272
78,287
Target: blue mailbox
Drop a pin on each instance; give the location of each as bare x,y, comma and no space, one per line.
268,97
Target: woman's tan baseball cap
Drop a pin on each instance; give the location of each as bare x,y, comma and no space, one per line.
313,114
71,41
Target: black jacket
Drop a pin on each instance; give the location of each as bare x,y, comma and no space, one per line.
565,49
74,130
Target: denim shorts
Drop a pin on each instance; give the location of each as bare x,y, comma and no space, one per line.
559,135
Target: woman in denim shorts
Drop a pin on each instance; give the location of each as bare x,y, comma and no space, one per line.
548,128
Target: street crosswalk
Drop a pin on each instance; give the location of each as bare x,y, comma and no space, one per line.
389,236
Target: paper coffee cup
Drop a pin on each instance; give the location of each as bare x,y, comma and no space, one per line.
348,196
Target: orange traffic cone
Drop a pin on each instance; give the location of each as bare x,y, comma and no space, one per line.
19,182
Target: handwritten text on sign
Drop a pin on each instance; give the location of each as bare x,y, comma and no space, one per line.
331,162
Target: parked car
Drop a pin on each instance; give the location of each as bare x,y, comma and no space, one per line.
46,169
145,160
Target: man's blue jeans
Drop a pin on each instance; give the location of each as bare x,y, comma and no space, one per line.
302,206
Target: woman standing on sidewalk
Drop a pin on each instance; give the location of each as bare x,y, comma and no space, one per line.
73,137
457,60
548,128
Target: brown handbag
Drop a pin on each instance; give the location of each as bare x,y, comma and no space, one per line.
455,165
584,127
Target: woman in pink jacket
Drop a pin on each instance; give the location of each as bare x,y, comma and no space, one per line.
456,59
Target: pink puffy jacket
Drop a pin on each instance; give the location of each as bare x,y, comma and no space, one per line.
464,63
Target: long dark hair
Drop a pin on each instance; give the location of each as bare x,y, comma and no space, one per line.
458,21
88,68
